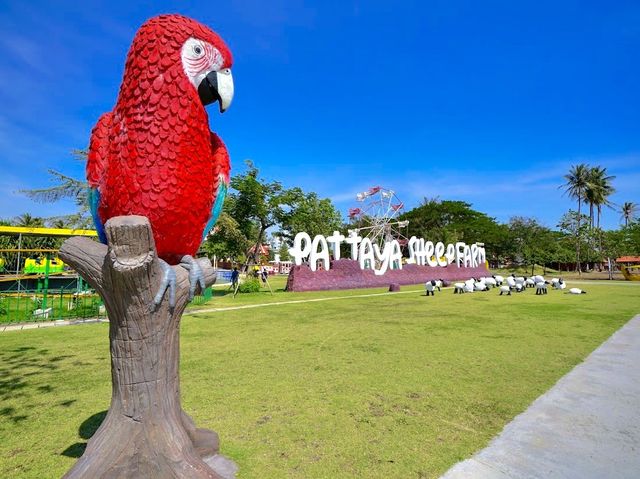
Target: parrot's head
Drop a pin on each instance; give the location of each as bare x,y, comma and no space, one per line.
178,48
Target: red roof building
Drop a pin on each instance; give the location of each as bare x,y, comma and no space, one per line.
263,249
628,259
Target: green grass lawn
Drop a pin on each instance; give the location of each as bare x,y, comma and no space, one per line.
395,385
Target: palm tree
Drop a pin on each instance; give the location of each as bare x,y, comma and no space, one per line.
28,221
628,211
575,186
66,187
599,188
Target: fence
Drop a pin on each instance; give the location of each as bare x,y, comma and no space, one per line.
63,303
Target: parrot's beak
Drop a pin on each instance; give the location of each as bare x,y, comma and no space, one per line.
217,85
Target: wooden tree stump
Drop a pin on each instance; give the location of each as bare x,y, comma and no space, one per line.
145,433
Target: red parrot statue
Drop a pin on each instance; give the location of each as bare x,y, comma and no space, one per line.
154,155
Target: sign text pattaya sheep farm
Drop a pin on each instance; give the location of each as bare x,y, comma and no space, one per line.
370,256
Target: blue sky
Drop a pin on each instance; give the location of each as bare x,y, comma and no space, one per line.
488,102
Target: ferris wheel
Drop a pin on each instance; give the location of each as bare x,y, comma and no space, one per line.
377,215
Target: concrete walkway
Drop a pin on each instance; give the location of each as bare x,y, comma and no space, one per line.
587,426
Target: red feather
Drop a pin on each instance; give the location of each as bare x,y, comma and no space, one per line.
154,155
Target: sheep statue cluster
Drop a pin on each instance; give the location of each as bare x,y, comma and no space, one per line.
506,286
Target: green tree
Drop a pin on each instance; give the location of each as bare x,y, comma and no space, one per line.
66,187
26,220
558,250
613,244
450,221
6,242
631,239
257,205
283,251
575,186
307,213
532,241
628,210
226,240
599,189
579,235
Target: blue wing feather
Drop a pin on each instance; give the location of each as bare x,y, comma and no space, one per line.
216,209
94,202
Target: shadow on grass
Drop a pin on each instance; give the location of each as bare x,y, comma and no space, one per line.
20,368
87,429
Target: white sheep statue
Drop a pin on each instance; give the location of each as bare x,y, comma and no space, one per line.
541,287
429,288
577,291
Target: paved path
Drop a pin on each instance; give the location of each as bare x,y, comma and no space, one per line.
587,426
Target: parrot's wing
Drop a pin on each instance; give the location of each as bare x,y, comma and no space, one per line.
221,167
96,168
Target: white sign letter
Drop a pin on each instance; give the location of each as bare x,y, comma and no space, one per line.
467,257
366,256
451,253
442,261
429,251
395,259
300,252
322,254
459,253
474,255
353,240
335,240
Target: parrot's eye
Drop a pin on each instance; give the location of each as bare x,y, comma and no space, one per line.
197,49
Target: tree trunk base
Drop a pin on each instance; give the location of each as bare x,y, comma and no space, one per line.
145,434
126,448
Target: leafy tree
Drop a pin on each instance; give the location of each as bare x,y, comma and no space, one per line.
578,233
613,244
531,241
283,251
630,236
307,213
450,221
575,186
25,220
558,250
6,242
256,205
226,240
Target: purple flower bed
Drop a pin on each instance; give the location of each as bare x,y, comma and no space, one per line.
346,274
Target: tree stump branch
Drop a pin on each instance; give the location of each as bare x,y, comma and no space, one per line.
145,433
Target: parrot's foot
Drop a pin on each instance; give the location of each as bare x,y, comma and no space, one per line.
168,281
196,276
